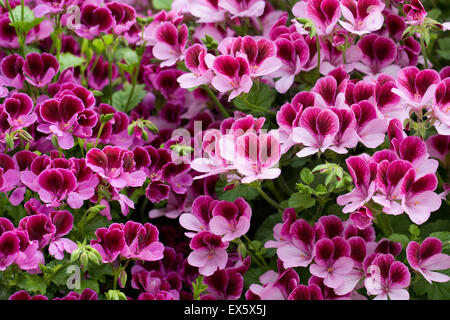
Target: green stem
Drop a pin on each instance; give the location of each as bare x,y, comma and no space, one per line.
116,277
284,185
424,51
134,81
385,224
99,134
258,108
269,199
271,186
216,101
320,208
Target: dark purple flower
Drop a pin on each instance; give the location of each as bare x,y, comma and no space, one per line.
39,70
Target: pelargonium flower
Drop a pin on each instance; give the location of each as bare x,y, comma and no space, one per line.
415,12
438,146
293,56
416,88
124,16
195,61
386,278
418,198
256,156
9,248
362,16
346,137
12,71
209,253
39,228
378,55
282,231
414,150
333,263
324,14
19,108
39,69
330,90
171,43
30,255
55,185
9,173
288,117
197,220
428,257
141,242
300,250
86,294
232,74
275,285
63,222
60,118
260,54
310,292
98,73
207,11
110,242
93,21
230,219
245,8
227,284
371,129
23,295
441,107
364,172
316,130
115,165
362,218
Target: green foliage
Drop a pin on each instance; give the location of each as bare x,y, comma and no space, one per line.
240,190
23,20
301,200
120,98
162,4
434,291
307,176
259,99
199,287
67,60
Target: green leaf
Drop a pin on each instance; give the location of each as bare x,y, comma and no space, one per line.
321,190
241,190
120,98
306,176
162,4
32,283
397,237
414,231
434,291
260,95
434,13
199,287
130,56
265,230
301,201
67,60
27,23
16,14
98,45
444,45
